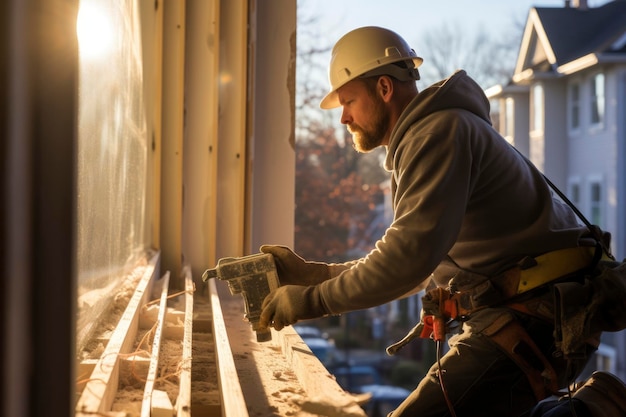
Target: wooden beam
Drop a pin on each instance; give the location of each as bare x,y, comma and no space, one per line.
183,402
146,406
171,192
161,406
233,402
232,157
323,393
100,390
202,57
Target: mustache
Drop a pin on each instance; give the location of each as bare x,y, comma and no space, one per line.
354,128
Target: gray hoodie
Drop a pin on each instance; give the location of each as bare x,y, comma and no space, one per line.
463,198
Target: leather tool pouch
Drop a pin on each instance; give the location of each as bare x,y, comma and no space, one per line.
584,310
515,341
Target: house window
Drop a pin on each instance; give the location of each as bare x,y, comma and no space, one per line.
597,99
595,203
509,124
575,106
538,108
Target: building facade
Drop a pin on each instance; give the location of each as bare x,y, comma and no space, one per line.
564,108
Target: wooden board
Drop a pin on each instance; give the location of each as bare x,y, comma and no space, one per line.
101,388
323,393
146,406
183,402
233,402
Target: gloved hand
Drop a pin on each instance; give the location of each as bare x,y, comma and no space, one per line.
290,303
293,270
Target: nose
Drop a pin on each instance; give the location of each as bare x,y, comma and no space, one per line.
345,116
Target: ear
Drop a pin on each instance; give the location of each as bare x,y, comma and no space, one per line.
384,87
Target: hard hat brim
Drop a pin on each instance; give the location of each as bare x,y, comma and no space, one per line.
331,100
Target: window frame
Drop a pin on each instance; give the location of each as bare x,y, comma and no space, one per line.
509,120
596,211
597,99
574,190
574,110
538,108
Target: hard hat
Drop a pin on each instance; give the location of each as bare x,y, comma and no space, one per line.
369,51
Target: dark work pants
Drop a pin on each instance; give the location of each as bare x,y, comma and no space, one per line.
562,408
481,380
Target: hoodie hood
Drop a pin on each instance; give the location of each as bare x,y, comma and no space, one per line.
458,91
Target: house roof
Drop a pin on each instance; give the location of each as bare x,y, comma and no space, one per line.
561,40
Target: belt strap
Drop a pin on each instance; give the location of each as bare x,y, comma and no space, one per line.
515,341
553,265
530,273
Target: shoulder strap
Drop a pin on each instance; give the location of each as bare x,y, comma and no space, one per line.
596,232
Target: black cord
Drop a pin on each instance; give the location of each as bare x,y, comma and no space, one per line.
572,380
572,409
440,372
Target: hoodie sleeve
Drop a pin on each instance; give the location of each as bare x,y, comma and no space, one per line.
432,180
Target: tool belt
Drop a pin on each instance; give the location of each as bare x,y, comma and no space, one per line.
520,281
588,308
464,298
511,289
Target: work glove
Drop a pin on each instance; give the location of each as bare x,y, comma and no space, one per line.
293,270
290,303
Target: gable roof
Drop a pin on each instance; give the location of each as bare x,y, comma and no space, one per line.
562,40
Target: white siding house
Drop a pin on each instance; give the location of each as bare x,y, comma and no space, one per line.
565,108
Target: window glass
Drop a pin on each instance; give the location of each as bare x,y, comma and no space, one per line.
575,106
509,124
597,99
111,155
596,203
538,107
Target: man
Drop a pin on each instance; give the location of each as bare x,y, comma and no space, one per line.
470,213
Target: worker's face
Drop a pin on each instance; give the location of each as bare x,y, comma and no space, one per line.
364,113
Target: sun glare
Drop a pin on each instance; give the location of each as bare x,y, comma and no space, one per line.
94,30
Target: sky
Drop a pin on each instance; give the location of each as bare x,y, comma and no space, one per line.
412,17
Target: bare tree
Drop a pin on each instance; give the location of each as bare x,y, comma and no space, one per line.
488,59
311,78
337,189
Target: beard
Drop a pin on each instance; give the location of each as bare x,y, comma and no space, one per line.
367,138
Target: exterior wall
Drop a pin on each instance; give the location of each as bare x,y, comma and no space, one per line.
555,143
610,157
520,118
593,155
583,155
